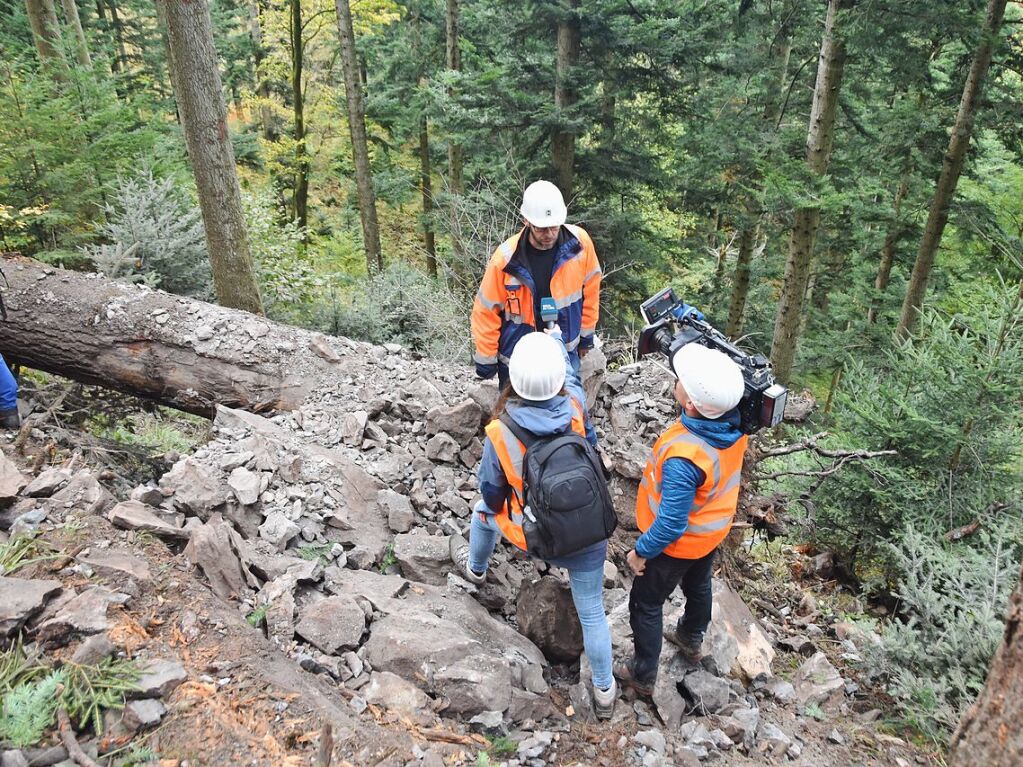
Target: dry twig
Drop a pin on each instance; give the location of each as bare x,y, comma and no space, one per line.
67,736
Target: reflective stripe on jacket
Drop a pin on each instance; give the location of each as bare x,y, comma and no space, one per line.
503,310
713,509
510,452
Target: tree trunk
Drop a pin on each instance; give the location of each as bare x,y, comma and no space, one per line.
178,351
75,22
360,148
301,191
884,269
740,282
121,60
454,63
990,732
200,99
262,87
952,165
563,141
819,139
42,16
427,191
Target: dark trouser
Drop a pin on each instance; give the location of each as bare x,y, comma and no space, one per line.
646,607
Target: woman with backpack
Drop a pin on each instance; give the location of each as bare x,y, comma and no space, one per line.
544,400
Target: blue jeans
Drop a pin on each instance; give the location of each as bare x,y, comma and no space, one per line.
646,607
8,387
587,594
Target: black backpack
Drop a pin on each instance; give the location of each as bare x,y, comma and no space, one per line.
567,503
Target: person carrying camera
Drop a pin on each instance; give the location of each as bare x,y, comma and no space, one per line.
546,259
684,509
9,418
544,400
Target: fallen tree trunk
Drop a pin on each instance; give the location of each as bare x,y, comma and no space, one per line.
178,351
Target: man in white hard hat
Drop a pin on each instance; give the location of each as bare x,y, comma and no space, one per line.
684,509
546,259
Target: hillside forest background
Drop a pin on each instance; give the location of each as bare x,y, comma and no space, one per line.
840,183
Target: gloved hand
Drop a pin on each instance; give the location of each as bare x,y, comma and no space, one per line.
486,371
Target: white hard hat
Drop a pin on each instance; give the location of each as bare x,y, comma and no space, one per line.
537,367
543,205
711,379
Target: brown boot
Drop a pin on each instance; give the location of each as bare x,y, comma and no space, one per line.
689,647
9,419
623,673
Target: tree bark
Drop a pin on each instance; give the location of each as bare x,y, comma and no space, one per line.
75,21
951,167
740,282
990,732
563,141
360,148
884,268
42,16
301,191
177,351
426,188
262,87
819,139
121,60
454,63
199,95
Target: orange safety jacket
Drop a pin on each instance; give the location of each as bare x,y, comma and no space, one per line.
713,509
510,452
502,312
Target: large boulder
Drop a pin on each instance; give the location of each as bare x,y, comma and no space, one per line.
132,515
423,557
333,625
12,481
816,680
461,421
215,549
546,614
20,599
394,693
194,489
82,493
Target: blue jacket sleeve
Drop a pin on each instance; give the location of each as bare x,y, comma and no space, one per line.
680,479
494,486
574,386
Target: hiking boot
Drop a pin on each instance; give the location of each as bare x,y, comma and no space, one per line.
623,673
604,700
9,419
688,646
459,551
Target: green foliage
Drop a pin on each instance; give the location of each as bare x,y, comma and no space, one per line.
161,431
257,616
154,235
388,559
91,690
22,550
316,552
935,655
29,709
502,746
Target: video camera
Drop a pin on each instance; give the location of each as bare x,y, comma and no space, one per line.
671,324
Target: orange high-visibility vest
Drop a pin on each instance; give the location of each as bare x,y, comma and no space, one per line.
510,452
713,509
502,311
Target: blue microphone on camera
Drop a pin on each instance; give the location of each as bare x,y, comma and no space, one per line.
548,312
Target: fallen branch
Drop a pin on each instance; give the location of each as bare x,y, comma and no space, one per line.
326,751
35,421
67,737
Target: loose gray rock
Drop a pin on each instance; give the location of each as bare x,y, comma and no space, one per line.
353,426
816,680
159,679
21,599
652,739
83,493
12,481
116,563
47,483
423,557
278,530
771,739
216,549
93,650
442,447
246,485
461,421
83,614
139,714
394,693
398,509
706,693
132,515
193,487
332,624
